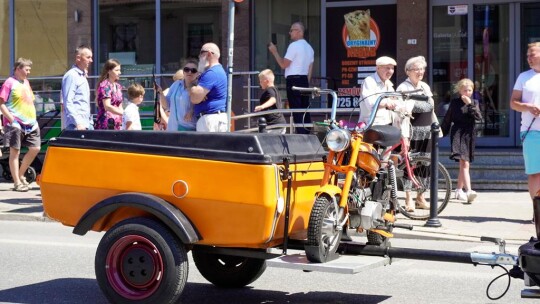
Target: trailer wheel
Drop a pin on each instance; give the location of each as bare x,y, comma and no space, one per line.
140,261
226,270
324,232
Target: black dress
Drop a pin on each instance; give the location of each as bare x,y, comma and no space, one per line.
421,126
462,120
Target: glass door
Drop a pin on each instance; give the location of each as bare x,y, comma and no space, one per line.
473,41
491,69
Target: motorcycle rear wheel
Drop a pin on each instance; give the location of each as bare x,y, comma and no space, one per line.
324,232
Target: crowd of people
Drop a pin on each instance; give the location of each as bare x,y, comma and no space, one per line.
197,101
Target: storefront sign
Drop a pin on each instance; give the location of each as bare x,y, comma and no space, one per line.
356,36
457,9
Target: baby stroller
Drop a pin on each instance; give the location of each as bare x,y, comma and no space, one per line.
45,122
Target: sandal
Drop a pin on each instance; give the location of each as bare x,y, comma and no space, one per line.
421,204
409,205
20,187
23,181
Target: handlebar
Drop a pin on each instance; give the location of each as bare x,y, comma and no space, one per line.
403,94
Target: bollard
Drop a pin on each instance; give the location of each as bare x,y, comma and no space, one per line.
262,125
536,209
433,220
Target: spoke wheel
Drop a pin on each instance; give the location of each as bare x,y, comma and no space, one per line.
421,168
141,261
324,232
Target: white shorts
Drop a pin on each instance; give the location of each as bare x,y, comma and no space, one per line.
213,123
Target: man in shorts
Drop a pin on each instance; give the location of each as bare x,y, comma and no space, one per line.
209,94
20,125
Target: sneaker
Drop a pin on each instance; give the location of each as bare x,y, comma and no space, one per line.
20,187
23,181
471,195
461,196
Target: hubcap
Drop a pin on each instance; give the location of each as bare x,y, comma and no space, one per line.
134,267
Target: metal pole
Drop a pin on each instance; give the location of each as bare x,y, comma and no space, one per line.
11,26
230,62
433,220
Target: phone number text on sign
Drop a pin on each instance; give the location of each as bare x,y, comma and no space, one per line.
348,97
348,102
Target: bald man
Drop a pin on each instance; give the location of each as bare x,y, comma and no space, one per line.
209,95
298,65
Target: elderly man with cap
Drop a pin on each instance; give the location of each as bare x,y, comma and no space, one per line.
378,82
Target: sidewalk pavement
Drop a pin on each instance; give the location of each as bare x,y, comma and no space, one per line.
500,214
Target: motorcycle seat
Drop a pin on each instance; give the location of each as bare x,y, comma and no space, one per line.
382,135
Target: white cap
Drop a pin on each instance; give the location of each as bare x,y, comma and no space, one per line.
385,60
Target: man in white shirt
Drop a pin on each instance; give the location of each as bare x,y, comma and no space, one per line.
298,64
374,84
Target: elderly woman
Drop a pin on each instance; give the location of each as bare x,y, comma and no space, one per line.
422,118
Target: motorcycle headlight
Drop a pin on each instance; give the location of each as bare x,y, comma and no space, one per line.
338,140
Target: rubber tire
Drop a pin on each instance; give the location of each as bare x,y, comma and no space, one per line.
123,242
444,177
30,175
375,238
228,271
323,211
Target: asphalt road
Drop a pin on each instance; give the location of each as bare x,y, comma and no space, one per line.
42,262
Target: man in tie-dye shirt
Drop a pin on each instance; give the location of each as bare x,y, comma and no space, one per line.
20,126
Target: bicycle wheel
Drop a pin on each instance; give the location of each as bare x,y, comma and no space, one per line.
421,169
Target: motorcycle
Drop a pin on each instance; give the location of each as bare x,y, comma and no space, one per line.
358,189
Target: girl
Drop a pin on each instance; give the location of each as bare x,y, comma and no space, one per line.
109,97
462,115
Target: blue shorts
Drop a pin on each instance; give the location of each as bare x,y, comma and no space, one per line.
531,146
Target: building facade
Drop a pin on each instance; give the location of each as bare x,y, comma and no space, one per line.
482,40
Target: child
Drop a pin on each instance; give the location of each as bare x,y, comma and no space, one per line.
270,100
461,115
131,119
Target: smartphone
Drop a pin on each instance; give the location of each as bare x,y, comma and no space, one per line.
274,38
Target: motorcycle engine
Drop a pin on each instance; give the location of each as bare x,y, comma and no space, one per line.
363,211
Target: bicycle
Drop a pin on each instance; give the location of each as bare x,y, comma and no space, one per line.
416,167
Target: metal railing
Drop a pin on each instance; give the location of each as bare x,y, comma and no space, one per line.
48,99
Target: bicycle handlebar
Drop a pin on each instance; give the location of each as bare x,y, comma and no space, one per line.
313,90
403,94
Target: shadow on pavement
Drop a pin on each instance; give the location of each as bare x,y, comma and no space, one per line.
210,294
27,210
55,291
20,201
78,290
481,219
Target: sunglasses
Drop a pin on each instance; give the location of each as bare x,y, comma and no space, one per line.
190,70
205,51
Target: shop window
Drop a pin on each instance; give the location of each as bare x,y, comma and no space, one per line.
40,35
4,51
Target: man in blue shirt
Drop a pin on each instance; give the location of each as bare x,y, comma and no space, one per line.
209,96
76,92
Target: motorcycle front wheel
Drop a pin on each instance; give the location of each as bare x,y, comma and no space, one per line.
324,232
